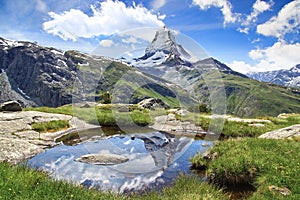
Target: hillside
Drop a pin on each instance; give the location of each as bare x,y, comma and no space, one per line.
42,76
247,97
213,83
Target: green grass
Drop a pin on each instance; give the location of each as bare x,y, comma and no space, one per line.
260,162
107,115
243,129
250,98
51,126
19,182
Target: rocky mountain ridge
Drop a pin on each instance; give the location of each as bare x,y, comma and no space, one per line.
285,77
42,76
213,83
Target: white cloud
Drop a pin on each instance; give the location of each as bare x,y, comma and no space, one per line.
287,20
157,4
240,66
131,39
106,43
224,5
258,8
111,17
261,6
256,54
41,6
280,55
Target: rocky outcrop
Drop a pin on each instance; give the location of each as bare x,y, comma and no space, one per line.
102,159
38,74
153,103
19,142
169,123
10,106
288,132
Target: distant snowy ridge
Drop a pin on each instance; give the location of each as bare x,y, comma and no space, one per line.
290,78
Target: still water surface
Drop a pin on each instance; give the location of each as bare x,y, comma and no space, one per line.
155,159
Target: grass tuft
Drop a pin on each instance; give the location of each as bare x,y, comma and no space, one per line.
258,162
20,182
51,126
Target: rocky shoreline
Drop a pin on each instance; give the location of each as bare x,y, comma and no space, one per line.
19,142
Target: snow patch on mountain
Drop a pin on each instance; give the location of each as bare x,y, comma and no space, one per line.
7,44
165,42
290,78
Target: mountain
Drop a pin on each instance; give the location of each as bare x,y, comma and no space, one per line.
289,78
205,80
167,59
42,76
165,54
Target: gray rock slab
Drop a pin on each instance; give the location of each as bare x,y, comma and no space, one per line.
102,159
288,132
15,150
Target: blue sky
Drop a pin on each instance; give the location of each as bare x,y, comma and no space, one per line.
255,35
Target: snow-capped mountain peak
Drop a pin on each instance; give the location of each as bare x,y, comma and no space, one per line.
6,44
164,41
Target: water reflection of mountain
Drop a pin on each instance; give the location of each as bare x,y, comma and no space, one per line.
155,160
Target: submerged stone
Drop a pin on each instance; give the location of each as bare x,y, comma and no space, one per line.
102,159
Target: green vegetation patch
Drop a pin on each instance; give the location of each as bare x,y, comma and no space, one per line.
51,126
250,98
108,114
243,129
19,182
263,163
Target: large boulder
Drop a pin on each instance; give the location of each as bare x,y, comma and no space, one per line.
102,159
12,106
152,103
288,132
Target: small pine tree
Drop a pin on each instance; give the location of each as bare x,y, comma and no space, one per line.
106,98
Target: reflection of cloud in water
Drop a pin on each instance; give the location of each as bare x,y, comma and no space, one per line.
140,182
151,157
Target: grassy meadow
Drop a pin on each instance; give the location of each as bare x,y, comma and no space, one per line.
20,182
107,115
267,168
261,163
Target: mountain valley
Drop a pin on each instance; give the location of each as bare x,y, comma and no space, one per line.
42,76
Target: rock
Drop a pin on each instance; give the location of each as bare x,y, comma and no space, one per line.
285,115
11,106
288,132
85,104
102,159
181,112
19,142
257,125
237,119
282,190
169,123
14,150
153,103
173,111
